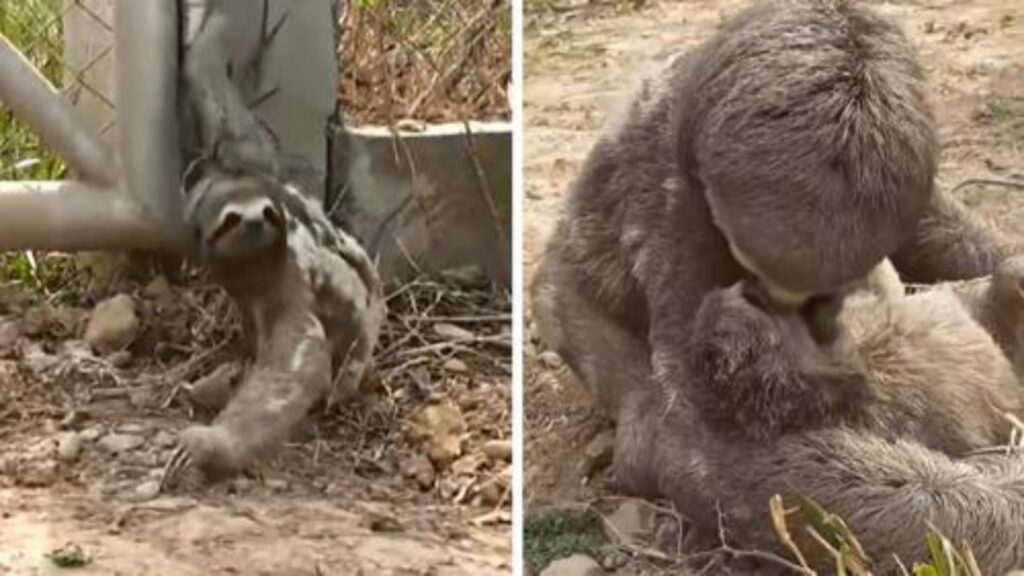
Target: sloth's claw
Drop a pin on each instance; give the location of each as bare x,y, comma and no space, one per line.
179,461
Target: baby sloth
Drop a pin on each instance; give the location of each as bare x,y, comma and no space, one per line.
918,367
880,422
311,298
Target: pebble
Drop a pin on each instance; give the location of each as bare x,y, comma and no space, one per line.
120,359
158,289
69,446
599,453
147,491
491,493
276,484
418,467
632,523
214,390
164,439
498,450
118,443
113,324
453,332
91,434
455,365
439,428
575,565
132,428
10,331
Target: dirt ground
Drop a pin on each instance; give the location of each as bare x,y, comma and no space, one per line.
83,439
580,57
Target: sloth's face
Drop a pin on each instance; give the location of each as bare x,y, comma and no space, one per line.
242,222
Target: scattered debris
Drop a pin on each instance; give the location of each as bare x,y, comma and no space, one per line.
69,556
575,565
118,443
113,324
598,453
439,428
498,450
214,390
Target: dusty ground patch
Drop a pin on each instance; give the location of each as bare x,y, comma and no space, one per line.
83,439
578,61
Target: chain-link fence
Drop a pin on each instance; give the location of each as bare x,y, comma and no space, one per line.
71,42
429,60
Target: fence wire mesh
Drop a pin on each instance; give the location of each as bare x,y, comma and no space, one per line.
71,43
429,60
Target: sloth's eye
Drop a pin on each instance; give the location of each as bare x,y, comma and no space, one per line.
272,217
230,221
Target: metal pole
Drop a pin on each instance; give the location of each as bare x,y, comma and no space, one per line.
71,215
36,102
146,36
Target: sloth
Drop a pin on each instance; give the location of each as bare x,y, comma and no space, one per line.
796,147
311,298
242,221
880,424
795,150
921,368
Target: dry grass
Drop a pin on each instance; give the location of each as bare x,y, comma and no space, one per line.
429,60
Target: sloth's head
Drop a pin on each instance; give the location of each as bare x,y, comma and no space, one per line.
759,370
236,219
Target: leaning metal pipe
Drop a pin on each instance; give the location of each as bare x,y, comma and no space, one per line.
37,103
72,215
146,36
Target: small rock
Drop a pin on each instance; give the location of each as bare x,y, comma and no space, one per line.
378,522
91,434
37,473
455,365
113,324
468,465
38,360
631,524
550,360
10,331
120,359
276,484
575,565
75,349
69,446
498,450
132,428
612,558
214,390
164,439
439,429
418,467
119,443
453,332
146,491
598,453
158,289
492,492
